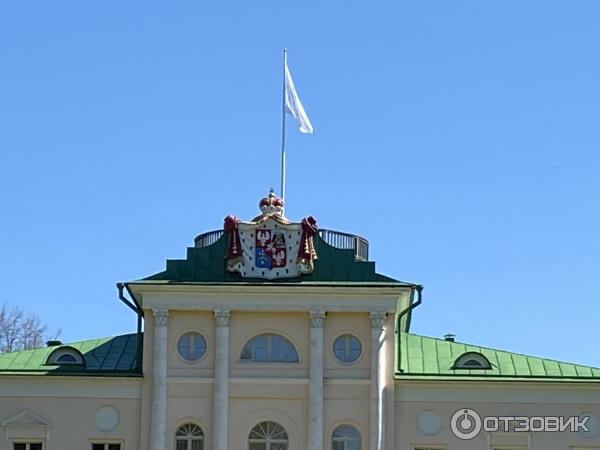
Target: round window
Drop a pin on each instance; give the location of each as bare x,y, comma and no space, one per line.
347,348
191,346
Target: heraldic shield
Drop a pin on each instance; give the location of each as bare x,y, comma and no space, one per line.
270,246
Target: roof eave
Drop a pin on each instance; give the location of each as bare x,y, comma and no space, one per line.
494,378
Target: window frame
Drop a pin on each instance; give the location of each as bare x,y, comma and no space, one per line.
55,355
191,361
190,439
344,440
269,352
349,335
460,362
267,442
27,443
106,444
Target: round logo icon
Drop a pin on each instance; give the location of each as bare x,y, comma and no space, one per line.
465,424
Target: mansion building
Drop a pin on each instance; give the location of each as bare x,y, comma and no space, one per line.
279,335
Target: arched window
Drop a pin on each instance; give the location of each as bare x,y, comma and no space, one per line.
473,361
345,437
189,436
65,356
268,436
269,348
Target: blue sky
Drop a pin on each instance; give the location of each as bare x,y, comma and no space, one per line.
461,138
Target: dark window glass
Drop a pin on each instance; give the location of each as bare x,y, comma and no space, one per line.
189,436
473,361
27,446
191,346
106,446
268,436
261,349
346,437
269,348
347,348
66,358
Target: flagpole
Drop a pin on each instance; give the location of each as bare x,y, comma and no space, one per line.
283,130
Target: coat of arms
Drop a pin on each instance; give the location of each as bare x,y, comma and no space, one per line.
270,246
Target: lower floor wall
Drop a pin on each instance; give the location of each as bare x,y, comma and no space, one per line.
69,423
497,416
73,415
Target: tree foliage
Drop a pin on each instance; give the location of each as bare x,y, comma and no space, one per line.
21,331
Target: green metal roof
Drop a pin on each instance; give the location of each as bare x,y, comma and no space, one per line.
109,356
427,357
207,265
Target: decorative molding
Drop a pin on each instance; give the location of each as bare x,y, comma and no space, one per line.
316,319
26,423
160,317
348,381
222,317
25,418
106,418
377,319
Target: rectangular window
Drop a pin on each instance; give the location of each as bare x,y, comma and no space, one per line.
106,446
429,448
27,446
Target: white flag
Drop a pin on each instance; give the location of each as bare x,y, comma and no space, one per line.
293,106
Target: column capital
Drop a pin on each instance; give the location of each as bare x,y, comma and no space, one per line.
316,318
160,317
377,319
222,317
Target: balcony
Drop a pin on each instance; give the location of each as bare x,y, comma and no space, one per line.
337,239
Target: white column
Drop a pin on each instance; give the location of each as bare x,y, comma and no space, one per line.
315,386
376,441
158,418
221,387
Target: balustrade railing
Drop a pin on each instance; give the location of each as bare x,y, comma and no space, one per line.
209,238
346,241
337,239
